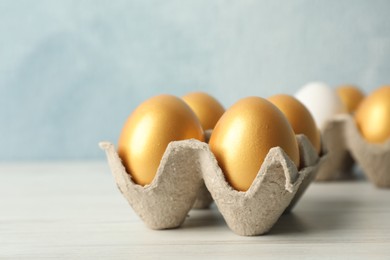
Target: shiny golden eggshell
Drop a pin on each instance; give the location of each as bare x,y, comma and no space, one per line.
243,137
299,118
148,131
351,96
373,116
205,107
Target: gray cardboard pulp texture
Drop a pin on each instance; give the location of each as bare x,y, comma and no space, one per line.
344,145
374,159
334,144
308,157
255,211
166,202
204,199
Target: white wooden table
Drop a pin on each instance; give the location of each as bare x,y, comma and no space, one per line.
74,211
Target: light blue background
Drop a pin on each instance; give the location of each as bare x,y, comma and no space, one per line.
72,71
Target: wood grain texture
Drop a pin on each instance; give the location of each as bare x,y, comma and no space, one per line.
74,210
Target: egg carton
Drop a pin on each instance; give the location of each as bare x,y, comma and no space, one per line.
334,143
345,145
189,164
204,198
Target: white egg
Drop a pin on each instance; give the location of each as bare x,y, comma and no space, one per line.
321,100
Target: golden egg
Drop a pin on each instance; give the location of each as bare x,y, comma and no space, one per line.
205,107
244,135
351,96
373,116
299,118
148,131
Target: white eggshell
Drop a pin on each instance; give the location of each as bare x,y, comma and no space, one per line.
321,100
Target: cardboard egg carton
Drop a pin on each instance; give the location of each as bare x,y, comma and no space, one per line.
334,144
204,199
189,164
345,144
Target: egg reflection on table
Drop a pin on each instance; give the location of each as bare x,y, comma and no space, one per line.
322,101
351,96
299,117
205,107
373,116
244,135
148,131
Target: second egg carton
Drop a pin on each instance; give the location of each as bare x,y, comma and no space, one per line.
345,145
189,173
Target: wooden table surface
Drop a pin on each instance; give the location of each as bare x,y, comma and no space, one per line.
73,210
